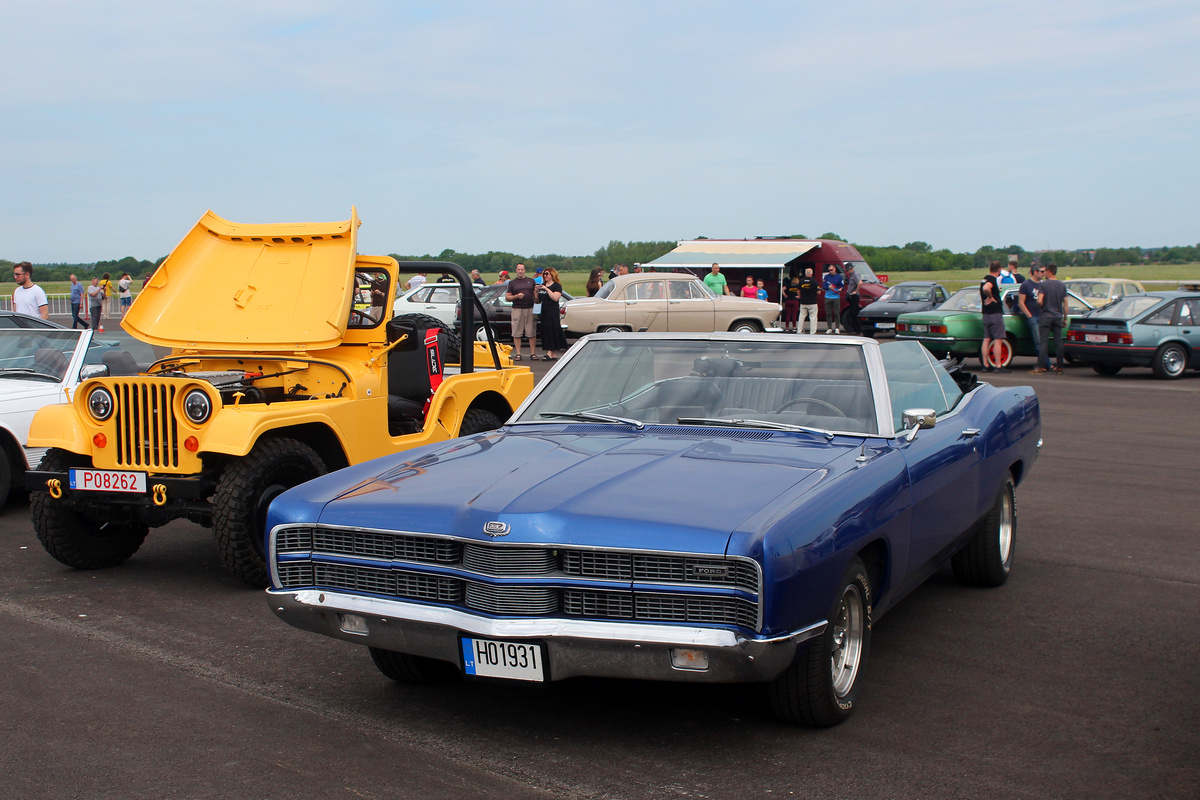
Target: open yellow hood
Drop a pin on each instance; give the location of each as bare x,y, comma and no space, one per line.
251,287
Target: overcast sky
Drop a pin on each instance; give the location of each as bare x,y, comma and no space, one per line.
540,127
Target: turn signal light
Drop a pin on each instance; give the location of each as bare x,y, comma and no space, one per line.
689,659
191,443
100,440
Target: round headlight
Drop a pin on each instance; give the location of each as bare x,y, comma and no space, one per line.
197,406
100,403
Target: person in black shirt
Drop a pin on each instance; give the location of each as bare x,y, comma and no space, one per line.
993,320
791,305
810,300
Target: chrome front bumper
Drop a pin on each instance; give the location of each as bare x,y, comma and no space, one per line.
573,647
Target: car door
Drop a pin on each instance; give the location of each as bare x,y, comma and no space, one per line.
646,305
943,461
690,306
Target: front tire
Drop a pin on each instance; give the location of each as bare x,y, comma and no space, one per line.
1006,354
1106,369
746,326
1170,361
71,537
820,688
246,488
988,557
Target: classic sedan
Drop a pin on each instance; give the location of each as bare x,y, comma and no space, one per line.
1102,291
697,508
1160,330
662,301
955,328
880,316
40,362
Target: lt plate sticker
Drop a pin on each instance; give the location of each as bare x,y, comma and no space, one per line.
488,658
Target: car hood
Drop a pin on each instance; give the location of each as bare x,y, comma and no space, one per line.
20,393
256,288
616,489
892,309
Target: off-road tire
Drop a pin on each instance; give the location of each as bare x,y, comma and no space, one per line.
243,493
70,536
403,668
478,420
807,692
988,557
453,342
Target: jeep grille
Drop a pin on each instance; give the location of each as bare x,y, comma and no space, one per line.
147,433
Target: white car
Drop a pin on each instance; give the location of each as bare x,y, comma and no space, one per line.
436,300
41,364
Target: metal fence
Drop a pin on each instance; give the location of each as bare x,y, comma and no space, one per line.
60,304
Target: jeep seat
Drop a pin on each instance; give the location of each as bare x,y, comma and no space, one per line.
413,376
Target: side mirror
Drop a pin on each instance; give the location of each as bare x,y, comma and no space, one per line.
93,371
914,419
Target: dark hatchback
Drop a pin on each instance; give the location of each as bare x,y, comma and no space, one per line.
880,316
1160,330
499,310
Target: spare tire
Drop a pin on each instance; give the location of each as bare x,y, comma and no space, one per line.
448,340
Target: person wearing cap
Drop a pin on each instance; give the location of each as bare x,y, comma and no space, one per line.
502,277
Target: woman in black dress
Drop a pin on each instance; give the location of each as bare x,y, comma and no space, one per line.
549,325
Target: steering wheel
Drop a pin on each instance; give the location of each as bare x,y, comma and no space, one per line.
812,401
363,317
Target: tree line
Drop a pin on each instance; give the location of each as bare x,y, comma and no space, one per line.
912,257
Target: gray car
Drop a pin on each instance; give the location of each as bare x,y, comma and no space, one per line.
880,316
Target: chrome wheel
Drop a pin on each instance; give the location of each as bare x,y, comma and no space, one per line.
848,628
1007,526
1170,361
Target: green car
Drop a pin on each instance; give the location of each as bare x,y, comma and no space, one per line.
956,326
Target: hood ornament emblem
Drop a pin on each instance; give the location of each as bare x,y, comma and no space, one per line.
495,528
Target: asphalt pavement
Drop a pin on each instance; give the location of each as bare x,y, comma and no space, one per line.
165,677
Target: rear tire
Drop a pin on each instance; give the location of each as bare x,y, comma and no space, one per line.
479,420
71,537
1106,369
245,490
1170,361
820,688
403,668
988,557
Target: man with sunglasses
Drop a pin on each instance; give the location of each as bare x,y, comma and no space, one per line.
29,299
1027,300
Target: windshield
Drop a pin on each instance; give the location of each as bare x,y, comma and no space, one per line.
746,383
37,352
1127,307
963,300
905,294
865,273
1090,290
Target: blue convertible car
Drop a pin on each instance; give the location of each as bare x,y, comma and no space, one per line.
687,507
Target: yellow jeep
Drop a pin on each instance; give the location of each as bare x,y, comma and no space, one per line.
285,363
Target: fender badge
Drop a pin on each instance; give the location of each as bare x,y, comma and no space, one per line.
495,528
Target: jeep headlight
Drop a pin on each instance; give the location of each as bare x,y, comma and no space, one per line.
197,406
100,403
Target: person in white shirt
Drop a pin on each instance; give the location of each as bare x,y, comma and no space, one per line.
416,280
29,299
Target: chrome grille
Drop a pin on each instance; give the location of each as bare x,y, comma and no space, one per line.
512,600
427,587
509,560
295,540
675,608
359,579
598,564
603,605
292,576
147,433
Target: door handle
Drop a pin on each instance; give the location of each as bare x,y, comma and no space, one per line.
969,432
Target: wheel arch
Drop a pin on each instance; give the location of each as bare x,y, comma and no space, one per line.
319,437
876,557
494,402
16,454
755,321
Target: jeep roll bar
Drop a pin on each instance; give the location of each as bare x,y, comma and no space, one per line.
467,335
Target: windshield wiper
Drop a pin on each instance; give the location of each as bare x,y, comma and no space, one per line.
27,372
754,423
592,416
